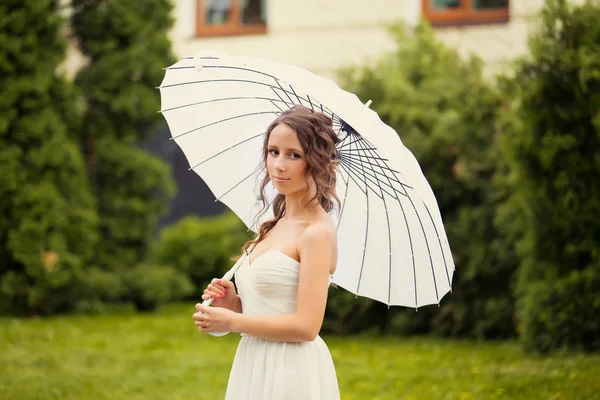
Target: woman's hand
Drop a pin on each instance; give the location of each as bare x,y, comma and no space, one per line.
214,319
223,293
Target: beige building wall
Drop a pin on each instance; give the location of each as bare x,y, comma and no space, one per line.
324,35
320,35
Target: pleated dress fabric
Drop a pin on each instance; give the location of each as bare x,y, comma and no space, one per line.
268,370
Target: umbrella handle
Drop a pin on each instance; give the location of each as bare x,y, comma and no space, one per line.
228,276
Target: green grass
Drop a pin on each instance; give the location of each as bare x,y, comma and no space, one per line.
162,356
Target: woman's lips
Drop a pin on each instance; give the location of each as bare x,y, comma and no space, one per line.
279,180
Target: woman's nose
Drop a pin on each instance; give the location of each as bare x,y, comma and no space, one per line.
280,164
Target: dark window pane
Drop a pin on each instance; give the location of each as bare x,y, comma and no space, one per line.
217,11
489,4
253,12
445,4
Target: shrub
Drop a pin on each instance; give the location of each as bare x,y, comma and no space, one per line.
148,286
202,248
552,142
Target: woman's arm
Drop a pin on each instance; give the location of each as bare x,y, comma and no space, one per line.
316,252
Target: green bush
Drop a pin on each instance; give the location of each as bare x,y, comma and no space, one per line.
202,248
47,213
552,140
97,288
127,42
564,313
148,286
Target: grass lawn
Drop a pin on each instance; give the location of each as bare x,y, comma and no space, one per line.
162,356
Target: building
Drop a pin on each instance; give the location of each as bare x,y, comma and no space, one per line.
324,35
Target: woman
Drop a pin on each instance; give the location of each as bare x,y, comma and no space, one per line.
283,281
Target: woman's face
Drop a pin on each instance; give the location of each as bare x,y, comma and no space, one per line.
286,161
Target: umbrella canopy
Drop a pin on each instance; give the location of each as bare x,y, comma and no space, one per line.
392,243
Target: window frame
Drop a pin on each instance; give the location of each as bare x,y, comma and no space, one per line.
464,15
234,25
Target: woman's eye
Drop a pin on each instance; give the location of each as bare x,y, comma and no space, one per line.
273,152
294,155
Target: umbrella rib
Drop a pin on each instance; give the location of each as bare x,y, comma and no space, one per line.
351,142
284,91
350,166
273,102
355,153
236,185
280,98
223,120
382,167
395,179
343,203
358,160
310,102
387,218
227,149
428,249
293,91
362,264
440,242
216,100
351,177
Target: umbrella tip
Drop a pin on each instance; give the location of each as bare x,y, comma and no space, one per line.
171,138
368,103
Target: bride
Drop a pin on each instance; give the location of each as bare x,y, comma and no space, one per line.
283,282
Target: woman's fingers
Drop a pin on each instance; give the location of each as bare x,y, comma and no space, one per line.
217,289
214,293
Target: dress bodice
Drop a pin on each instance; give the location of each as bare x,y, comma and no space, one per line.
268,286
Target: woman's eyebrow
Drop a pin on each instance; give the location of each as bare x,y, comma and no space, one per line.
289,149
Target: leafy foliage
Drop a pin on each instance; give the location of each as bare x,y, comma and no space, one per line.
48,223
202,248
127,44
554,170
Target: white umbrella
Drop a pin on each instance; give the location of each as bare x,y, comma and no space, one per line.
392,244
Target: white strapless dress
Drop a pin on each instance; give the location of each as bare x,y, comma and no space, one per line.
267,370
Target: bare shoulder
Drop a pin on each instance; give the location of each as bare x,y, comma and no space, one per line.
319,232
320,239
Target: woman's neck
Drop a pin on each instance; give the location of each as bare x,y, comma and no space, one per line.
296,206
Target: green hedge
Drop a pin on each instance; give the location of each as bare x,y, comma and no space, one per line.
202,248
552,145
47,213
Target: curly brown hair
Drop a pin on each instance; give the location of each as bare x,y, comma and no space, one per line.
318,140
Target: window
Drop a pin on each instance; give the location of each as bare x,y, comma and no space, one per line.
230,17
464,12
